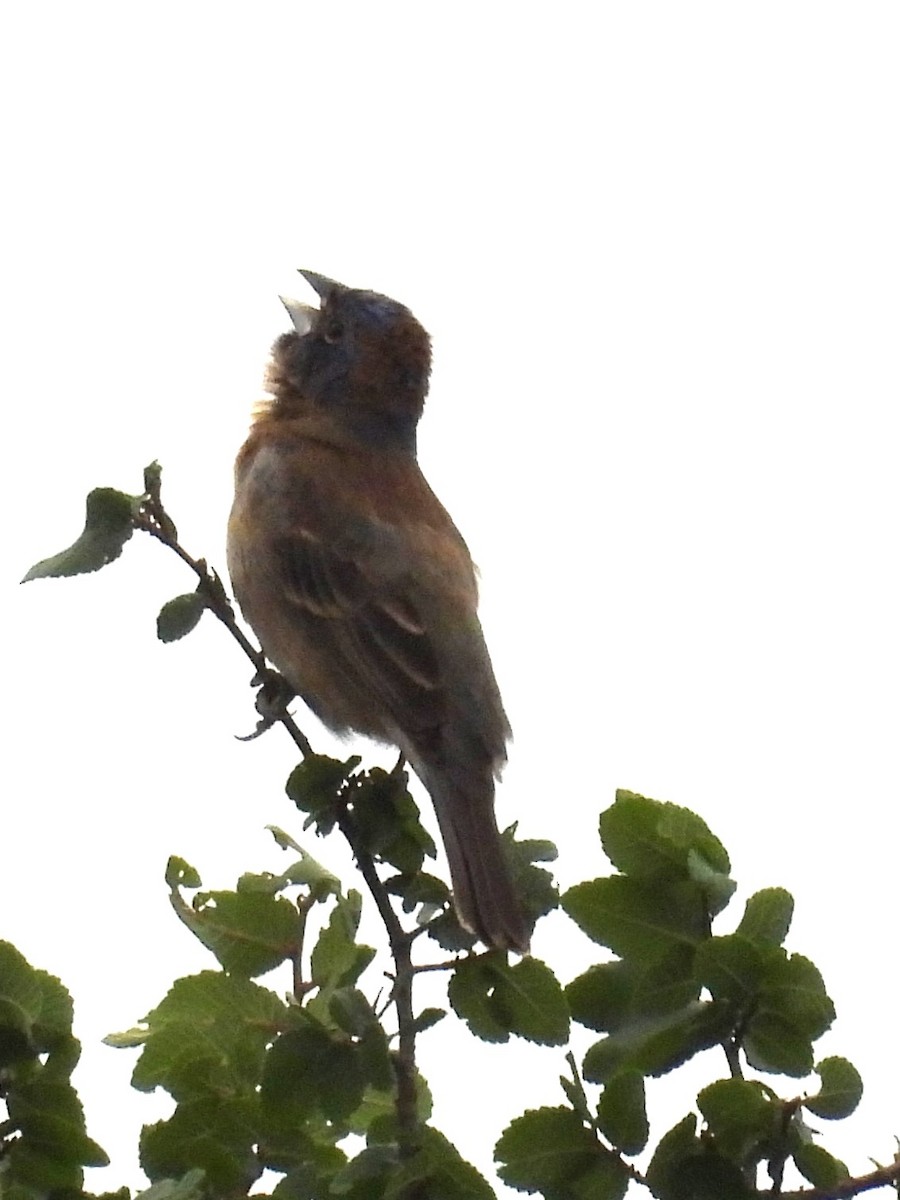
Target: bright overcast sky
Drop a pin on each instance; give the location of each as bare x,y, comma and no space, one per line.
657,246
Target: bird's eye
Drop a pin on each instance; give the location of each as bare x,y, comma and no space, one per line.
333,331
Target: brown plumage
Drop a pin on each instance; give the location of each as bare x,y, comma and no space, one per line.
358,584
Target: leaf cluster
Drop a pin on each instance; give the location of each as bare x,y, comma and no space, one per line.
674,989
320,1086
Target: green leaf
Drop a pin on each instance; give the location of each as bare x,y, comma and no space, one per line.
181,874
767,917
313,1068
638,918
307,871
386,819
675,1149
716,886
208,1036
108,526
647,838
437,1172
35,1009
248,932
446,930
819,1167
622,1112
374,1166
841,1089
351,1011
315,786
214,1133
189,1187
601,997
549,1150
792,1010
336,959
774,1045
179,616
740,1114
53,1144
496,999
683,1168
655,1044
305,1148
427,1018
534,884
731,967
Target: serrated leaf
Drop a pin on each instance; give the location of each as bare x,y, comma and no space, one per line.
315,786
684,1168
774,1045
48,1115
189,1187
387,821
107,527
637,918
374,1166
337,960
250,933
792,1010
819,1167
600,998
351,1011
437,1171
427,1018
470,992
655,1044
208,1036
740,1114
622,1112
179,616
496,998
549,1150
21,1002
767,917
650,838
731,967
449,934
793,987
841,1089
674,1150
215,1134
312,1068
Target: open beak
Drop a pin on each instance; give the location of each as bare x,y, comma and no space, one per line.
321,284
302,315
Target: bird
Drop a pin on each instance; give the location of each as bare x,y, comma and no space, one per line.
359,586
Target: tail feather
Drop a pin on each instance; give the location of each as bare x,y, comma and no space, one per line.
485,899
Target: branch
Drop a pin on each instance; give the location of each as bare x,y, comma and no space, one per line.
153,519
882,1177
401,943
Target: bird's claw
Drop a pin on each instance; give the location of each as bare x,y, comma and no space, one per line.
272,699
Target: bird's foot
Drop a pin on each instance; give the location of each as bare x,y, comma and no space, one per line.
272,699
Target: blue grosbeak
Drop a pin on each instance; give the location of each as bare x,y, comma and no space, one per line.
358,584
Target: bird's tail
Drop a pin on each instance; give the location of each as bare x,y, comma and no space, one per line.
485,899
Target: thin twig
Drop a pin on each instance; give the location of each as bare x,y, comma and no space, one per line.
401,945
153,519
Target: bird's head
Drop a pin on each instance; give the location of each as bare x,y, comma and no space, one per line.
360,356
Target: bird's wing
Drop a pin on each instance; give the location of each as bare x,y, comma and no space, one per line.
367,615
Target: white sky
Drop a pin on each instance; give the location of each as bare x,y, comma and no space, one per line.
657,247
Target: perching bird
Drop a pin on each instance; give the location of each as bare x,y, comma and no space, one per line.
358,584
